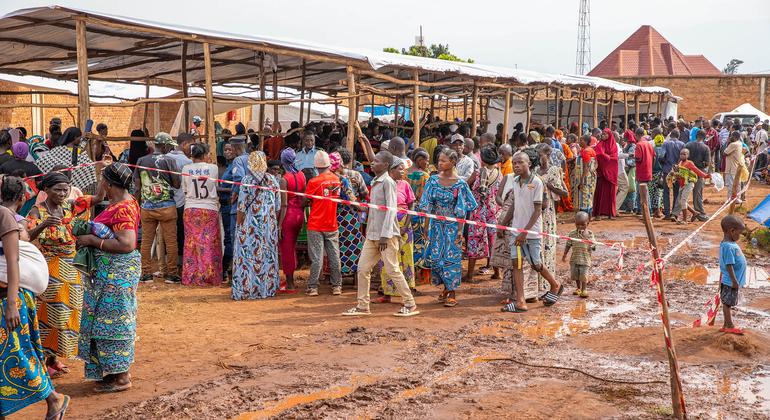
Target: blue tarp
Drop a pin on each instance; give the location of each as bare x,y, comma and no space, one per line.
388,110
761,213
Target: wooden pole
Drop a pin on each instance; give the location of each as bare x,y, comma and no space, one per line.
506,112
416,110
446,109
432,104
261,94
146,104
649,104
580,110
84,101
186,114
485,120
596,109
558,107
547,110
610,109
636,109
210,132
529,111
569,109
625,109
275,96
660,105
677,398
336,111
465,108
351,108
302,94
310,96
371,114
474,110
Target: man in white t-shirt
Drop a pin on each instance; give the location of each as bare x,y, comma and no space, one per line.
528,194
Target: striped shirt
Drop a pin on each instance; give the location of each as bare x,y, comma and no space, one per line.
581,251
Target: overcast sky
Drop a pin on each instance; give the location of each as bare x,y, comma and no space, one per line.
534,35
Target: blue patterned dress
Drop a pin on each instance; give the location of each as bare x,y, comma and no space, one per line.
255,252
444,252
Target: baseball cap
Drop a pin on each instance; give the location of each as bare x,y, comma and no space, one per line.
321,160
164,138
197,119
456,137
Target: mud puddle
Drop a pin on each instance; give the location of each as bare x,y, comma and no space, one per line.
756,277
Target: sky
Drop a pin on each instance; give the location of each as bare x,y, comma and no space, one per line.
536,35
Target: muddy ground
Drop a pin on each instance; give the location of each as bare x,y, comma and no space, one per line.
201,355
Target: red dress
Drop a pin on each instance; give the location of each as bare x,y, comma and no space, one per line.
606,176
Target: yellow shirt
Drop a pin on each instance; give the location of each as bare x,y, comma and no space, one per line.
506,167
429,145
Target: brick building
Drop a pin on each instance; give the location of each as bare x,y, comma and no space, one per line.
646,58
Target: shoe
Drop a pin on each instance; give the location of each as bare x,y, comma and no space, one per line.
356,312
701,218
337,290
147,278
407,311
311,292
576,292
173,279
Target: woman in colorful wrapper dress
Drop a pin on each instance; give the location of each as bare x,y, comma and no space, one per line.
446,194
108,326
417,176
484,185
24,380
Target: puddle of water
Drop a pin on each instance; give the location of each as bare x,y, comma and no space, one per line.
602,317
300,399
754,390
756,277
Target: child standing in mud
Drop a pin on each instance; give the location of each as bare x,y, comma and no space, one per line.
580,260
732,268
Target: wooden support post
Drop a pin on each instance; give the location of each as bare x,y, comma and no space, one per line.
84,101
506,113
336,111
146,105
625,110
547,110
302,94
485,120
636,110
210,132
310,96
649,104
416,110
185,104
275,96
610,109
465,108
371,114
351,108
474,110
569,110
677,398
558,107
261,125
528,122
432,104
446,109
395,116
580,111
660,105
596,109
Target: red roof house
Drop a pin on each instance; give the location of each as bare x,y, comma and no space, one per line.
647,53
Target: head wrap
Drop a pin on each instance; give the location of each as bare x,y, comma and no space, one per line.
629,136
20,150
659,139
535,136
489,154
397,161
52,178
257,162
288,156
558,134
336,161
118,174
70,135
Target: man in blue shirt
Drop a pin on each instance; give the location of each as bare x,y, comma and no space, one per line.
235,172
306,156
694,131
672,147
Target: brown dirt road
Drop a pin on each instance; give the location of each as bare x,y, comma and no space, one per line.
201,355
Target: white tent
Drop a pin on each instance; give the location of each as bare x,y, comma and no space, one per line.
748,108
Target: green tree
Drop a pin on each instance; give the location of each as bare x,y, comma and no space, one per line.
439,51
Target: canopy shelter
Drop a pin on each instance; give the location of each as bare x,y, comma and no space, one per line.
79,45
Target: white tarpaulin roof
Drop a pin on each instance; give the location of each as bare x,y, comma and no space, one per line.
41,41
748,108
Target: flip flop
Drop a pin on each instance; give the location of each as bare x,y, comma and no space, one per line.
59,414
450,302
736,331
112,387
511,307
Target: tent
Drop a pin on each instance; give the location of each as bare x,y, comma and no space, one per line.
748,108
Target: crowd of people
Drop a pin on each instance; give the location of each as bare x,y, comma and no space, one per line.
159,209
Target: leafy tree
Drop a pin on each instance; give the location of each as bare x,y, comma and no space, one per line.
439,51
732,66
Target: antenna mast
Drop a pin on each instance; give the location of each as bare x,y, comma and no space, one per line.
583,53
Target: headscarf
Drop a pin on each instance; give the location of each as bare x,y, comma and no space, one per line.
257,162
535,136
20,150
558,134
118,174
629,136
52,178
70,135
607,157
585,128
489,154
336,161
659,139
288,156
397,161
